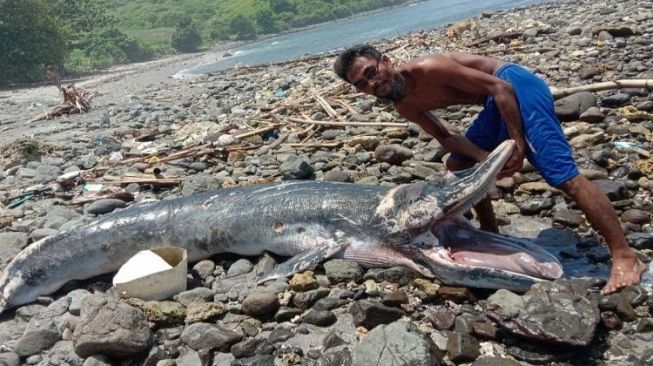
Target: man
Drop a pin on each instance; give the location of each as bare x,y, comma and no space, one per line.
517,105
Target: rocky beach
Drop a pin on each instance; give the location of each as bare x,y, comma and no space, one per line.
149,137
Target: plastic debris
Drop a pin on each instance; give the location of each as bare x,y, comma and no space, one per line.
155,274
17,202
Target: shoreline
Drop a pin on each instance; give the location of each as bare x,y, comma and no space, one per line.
152,138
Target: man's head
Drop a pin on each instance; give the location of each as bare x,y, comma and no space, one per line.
370,72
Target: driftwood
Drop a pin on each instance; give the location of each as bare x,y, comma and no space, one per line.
74,101
108,192
607,85
144,179
343,124
499,38
316,145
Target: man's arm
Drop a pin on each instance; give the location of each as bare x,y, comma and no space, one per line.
452,142
447,71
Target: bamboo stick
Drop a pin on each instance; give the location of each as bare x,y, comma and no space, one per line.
606,85
343,124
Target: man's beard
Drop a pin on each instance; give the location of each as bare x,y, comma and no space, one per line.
397,91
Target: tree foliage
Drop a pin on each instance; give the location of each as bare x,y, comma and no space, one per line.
80,16
31,42
240,19
84,35
242,27
186,37
265,21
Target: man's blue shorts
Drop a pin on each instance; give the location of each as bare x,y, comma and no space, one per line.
548,149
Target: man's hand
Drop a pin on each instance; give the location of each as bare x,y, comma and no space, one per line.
516,161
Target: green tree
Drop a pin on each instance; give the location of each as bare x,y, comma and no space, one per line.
279,6
265,21
218,28
186,37
80,16
109,46
242,27
30,41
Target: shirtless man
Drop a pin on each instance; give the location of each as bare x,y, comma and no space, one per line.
517,105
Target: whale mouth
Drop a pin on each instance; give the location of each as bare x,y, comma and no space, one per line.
460,247
463,246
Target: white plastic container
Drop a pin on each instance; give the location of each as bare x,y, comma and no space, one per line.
155,274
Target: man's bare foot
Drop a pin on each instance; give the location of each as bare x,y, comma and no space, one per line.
626,271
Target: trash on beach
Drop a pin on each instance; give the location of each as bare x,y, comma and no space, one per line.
20,201
632,146
115,156
155,274
90,187
625,145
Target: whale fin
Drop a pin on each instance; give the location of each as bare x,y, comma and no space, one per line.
305,260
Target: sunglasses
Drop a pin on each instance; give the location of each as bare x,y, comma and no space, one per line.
369,73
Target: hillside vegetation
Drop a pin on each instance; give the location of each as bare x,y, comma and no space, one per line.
45,38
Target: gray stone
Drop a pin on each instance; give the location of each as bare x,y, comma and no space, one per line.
397,344
258,360
198,294
615,190
105,206
640,240
441,317
620,304
329,303
44,329
636,216
12,244
529,316
462,348
616,30
305,300
393,154
369,314
341,270
297,168
239,267
205,336
399,275
97,360
592,115
571,107
198,166
39,234
76,299
261,303
495,361
615,100
568,218
635,346
337,175
63,353
221,358
9,359
280,335
322,318
534,205
110,327
204,268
